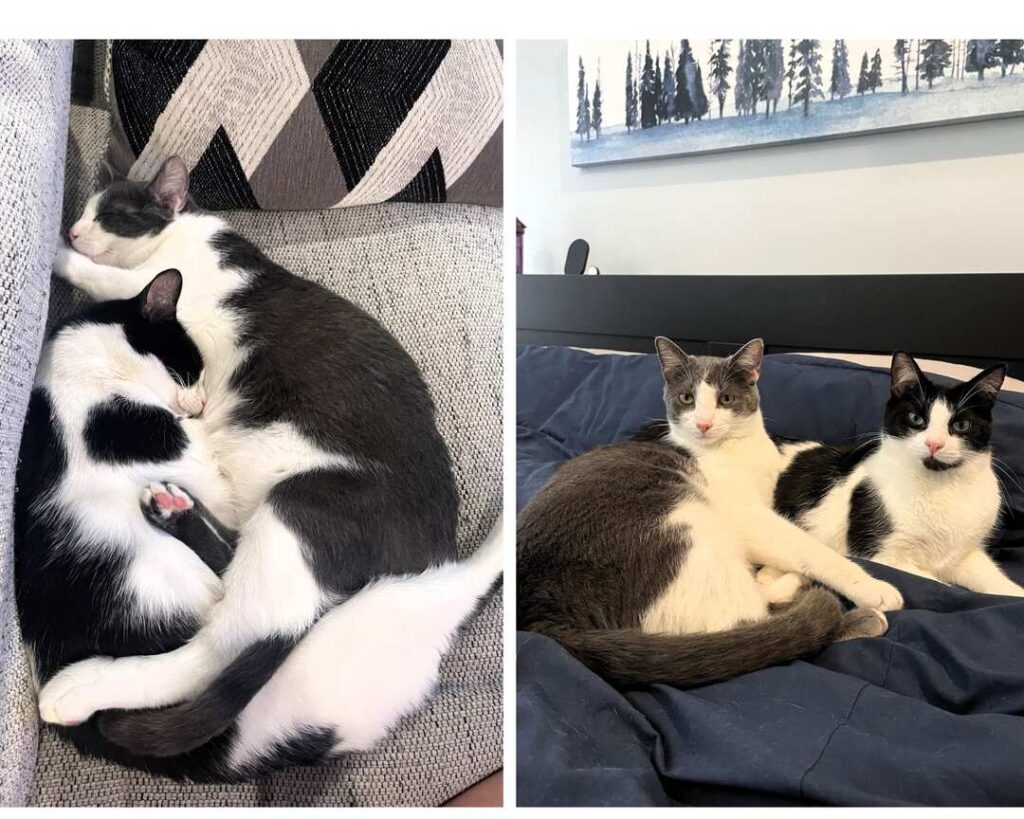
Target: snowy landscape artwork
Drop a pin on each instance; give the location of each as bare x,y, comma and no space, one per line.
657,98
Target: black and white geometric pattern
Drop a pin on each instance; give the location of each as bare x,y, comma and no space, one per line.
309,124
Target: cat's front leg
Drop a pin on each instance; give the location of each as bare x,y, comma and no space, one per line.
771,540
101,282
979,572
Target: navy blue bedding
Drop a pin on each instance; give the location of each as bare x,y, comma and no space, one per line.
932,713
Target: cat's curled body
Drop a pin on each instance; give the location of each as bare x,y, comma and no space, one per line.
324,430
638,556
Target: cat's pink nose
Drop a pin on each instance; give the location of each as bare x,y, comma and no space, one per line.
934,446
73,233
704,426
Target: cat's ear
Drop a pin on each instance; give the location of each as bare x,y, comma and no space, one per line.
159,301
170,186
673,359
107,174
987,383
905,374
748,359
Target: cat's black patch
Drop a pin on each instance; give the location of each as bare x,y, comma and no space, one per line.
813,473
120,431
305,746
935,465
869,522
128,209
178,729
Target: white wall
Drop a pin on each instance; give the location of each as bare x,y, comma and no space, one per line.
942,199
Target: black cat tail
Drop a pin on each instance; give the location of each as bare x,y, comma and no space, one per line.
181,728
628,657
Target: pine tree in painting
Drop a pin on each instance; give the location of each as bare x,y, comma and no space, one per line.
875,73
595,117
659,101
791,70
742,89
668,89
630,99
934,60
756,67
840,83
720,70
808,73
901,51
697,93
684,102
981,54
917,67
648,99
774,75
863,84
1010,54
582,106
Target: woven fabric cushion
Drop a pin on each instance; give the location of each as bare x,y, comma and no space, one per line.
403,263
34,78
311,124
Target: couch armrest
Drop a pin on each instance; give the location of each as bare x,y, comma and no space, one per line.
34,100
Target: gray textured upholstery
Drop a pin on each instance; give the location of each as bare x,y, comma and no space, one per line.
432,274
34,88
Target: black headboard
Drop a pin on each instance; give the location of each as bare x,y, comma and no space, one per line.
975,318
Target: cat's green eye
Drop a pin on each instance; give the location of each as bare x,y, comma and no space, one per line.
725,399
961,425
686,398
915,420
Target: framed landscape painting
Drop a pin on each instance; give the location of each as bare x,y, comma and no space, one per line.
633,99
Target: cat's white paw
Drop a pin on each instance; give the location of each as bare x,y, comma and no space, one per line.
782,589
876,594
68,264
72,696
190,401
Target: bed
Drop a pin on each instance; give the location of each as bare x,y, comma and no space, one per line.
932,713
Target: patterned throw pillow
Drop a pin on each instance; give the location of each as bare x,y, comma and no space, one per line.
312,124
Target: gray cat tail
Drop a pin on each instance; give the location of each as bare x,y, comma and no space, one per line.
628,657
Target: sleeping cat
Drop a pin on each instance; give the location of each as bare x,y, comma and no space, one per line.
637,556
324,429
112,558
922,497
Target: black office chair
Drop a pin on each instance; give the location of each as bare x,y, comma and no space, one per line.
576,258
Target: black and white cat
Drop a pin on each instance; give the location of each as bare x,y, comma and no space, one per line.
638,556
342,488
922,497
112,558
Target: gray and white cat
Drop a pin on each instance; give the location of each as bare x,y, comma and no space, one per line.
639,556
922,497
344,591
